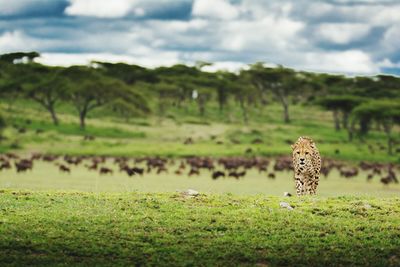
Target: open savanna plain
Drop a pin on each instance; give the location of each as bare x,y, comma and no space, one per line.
84,218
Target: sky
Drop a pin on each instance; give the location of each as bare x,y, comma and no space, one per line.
337,36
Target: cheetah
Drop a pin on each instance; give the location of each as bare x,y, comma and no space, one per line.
306,165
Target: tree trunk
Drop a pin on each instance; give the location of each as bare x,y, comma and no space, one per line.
244,112
202,104
221,101
53,115
286,113
82,117
285,105
350,130
345,119
336,119
364,126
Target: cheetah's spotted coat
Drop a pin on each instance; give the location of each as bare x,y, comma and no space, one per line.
307,166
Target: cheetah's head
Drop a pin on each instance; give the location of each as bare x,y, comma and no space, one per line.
302,153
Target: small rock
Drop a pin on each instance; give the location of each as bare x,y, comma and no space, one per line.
367,206
285,205
287,194
191,192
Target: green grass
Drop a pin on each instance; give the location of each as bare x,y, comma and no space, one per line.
46,176
165,136
87,229
69,129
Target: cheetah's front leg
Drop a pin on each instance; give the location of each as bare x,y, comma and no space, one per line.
314,184
300,186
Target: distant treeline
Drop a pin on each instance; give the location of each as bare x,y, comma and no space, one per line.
355,102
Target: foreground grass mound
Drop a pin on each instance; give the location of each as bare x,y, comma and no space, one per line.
56,228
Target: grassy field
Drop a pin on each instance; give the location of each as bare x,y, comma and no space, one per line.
50,218
46,176
214,135
60,229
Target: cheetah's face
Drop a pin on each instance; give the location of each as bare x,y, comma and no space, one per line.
302,156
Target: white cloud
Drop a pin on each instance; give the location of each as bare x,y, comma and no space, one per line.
318,9
16,41
69,59
231,66
387,15
103,8
219,9
387,63
182,26
229,33
351,61
390,41
162,59
11,7
259,9
342,33
261,35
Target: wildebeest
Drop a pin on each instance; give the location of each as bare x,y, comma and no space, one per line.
105,170
218,174
64,168
24,165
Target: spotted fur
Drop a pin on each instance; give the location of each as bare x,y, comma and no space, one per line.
306,165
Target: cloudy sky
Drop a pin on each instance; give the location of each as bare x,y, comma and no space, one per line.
354,37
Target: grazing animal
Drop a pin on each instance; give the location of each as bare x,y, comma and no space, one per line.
307,166
104,170
262,169
5,165
24,165
193,172
162,169
271,175
64,168
138,170
217,174
233,174
237,175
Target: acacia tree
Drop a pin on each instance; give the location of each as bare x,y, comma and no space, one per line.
340,103
282,82
223,88
345,104
385,112
129,74
204,95
89,90
129,104
330,104
10,85
45,86
11,57
165,92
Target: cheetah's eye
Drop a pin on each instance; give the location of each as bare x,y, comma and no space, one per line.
298,152
306,153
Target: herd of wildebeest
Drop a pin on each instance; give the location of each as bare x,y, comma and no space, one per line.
234,167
